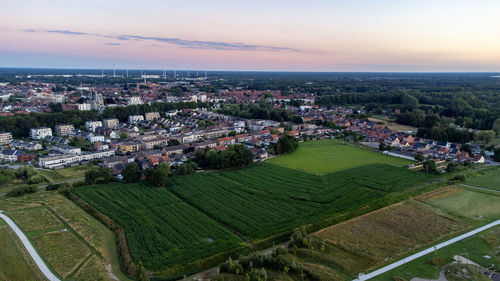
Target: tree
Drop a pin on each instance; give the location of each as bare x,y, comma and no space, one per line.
98,175
123,135
466,148
496,127
429,166
232,134
496,157
141,274
409,102
419,157
131,173
286,144
173,142
159,177
186,168
382,146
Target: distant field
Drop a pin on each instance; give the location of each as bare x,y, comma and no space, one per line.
15,264
394,126
363,243
490,178
160,228
34,219
327,156
465,203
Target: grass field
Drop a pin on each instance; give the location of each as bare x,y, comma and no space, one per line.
15,263
43,214
57,248
34,219
363,243
475,248
487,178
161,229
466,203
327,156
393,125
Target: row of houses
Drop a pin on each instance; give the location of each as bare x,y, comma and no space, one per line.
68,159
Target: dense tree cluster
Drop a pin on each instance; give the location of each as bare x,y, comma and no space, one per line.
260,110
286,144
235,156
98,175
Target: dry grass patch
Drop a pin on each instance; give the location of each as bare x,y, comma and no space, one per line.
62,250
34,219
363,243
86,226
93,269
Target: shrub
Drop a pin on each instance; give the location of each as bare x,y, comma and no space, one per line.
21,191
437,261
398,278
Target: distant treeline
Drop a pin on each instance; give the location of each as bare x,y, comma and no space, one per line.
20,125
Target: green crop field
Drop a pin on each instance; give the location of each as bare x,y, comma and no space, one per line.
265,199
326,156
196,216
160,228
488,178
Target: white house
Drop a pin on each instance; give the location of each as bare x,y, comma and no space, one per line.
133,119
92,125
40,133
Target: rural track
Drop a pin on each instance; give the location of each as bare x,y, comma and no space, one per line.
362,277
479,188
30,249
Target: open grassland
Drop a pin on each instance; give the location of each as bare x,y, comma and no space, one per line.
44,213
487,178
366,242
393,125
476,248
327,156
161,229
34,219
15,263
62,250
66,173
474,205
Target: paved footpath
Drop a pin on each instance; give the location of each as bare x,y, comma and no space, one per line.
391,266
38,260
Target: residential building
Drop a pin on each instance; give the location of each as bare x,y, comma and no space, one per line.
64,130
92,125
84,106
25,145
134,100
134,119
40,133
5,138
151,116
110,123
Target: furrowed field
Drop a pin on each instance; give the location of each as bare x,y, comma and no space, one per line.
199,213
160,228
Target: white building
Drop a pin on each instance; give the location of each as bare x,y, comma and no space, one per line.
5,138
134,119
84,106
94,139
63,160
92,125
40,133
110,123
134,100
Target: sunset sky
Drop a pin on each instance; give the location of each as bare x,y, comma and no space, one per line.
350,35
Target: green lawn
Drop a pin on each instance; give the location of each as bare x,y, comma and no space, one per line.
489,178
468,203
327,156
474,248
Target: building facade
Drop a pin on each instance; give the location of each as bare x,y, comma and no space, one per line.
40,133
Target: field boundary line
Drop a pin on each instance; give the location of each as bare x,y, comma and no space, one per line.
479,188
362,277
31,250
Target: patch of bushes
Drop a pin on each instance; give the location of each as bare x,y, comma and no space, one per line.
437,261
20,191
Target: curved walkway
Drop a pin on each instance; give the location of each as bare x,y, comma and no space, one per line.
38,260
391,266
